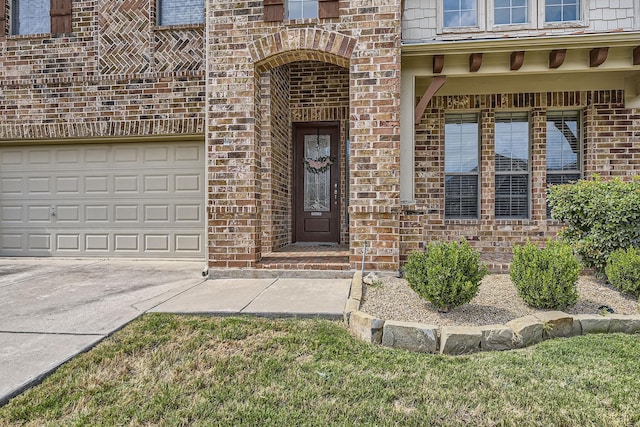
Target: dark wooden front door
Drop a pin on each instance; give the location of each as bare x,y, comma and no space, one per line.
316,198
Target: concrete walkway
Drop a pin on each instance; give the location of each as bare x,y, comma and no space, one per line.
53,309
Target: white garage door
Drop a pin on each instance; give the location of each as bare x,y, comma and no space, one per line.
135,200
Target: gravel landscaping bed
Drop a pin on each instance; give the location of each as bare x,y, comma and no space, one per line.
497,302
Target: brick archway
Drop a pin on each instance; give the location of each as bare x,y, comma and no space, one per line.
301,44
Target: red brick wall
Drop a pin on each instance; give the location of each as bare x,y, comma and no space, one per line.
123,77
608,146
365,40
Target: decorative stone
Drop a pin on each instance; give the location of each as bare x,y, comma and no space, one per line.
351,306
528,330
371,279
497,337
366,327
356,286
456,340
556,324
416,337
592,323
624,324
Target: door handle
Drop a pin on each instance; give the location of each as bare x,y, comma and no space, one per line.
335,194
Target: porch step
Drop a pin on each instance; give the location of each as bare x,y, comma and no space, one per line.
263,273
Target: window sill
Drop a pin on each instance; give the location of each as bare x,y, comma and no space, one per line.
31,36
512,27
178,27
565,24
461,221
461,30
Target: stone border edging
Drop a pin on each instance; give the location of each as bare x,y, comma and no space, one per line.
456,340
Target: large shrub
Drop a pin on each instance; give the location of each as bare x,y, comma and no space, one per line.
623,270
547,277
600,216
445,274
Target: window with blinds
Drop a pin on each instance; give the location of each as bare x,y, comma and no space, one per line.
172,12
31,17
512,165
564,143
461,156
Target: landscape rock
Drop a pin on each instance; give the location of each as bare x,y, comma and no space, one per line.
497,337
528,330
416,337
356,286
556,324
624,324
351,306
456,340
371,279
366,327
592,323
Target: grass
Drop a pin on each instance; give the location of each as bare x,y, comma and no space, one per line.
172,370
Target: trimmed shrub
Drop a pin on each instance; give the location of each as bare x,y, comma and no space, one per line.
445,274
601,216
623,270
545,278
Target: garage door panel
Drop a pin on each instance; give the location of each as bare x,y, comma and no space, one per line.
39,242
68,185
156,213
96,184
67,213
126,213
125,184
156,183
97,242
96,213
187,213
12,185
39,185
156,242
188,153
11,214
134,199
68,242
188,243
187,183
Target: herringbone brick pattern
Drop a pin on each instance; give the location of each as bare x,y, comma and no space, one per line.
124,36
179,50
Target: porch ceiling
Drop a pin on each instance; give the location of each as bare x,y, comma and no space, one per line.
543,63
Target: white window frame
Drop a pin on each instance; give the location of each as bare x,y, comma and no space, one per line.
531,13
583,20
480,19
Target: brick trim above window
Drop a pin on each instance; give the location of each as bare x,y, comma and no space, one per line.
328,8
3,18
60,16
273,10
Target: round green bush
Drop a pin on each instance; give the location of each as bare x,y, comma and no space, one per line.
546,278
623,270
445,274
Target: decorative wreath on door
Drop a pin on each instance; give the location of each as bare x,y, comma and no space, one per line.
319,165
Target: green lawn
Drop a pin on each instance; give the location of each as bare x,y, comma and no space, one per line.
173,370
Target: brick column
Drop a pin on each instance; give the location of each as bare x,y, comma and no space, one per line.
375,138
232,144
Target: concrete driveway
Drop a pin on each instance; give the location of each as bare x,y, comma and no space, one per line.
52,309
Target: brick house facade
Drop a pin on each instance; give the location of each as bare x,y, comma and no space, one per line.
209,128
494,110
